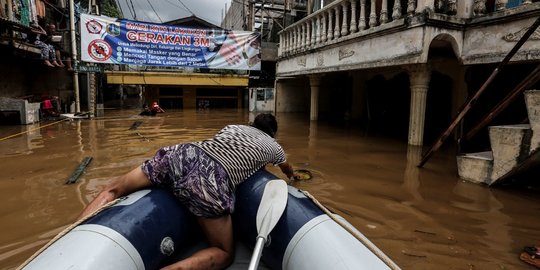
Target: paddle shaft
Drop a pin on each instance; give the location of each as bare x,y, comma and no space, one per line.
272,206
257,252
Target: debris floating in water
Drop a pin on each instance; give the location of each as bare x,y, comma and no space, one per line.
74,178
303,175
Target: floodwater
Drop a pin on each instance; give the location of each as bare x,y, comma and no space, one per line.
421,218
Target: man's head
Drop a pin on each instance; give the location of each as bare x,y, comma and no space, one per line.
51,27
267,123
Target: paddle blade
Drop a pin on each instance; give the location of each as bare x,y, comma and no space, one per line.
273,203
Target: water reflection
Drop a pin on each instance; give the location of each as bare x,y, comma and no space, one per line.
422,218
411,179
486,214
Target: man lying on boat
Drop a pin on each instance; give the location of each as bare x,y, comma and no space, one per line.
204,176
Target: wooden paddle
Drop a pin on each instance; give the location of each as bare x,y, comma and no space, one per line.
273,203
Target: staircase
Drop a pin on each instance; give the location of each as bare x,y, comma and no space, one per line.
512,147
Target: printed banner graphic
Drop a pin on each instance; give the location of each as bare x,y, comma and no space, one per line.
118,41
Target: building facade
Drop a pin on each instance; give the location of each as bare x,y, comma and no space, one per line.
404,67
23,75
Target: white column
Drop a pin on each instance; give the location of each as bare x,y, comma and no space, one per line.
362,19
336,29
282,43
304,36
384,12
396,11
314,83
297,38
354,27
373,14
330,25
419,76
313,31
411,7
324,34
318,30
344,28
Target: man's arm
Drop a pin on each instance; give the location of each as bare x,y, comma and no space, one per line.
287,169
123,185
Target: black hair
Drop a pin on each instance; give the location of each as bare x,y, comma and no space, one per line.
267,123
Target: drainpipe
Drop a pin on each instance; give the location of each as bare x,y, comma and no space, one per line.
74,55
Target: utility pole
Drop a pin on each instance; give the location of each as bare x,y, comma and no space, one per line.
262,21
74,55
251,20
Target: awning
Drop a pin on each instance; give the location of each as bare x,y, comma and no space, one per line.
175,78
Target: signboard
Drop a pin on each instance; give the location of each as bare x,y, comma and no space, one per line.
119,41
87,69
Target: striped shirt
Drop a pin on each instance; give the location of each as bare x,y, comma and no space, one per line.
242,150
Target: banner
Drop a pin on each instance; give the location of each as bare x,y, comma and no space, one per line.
118,41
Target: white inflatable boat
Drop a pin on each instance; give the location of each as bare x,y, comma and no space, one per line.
150,229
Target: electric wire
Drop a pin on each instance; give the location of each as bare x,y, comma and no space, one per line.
183,8
129,8
150,3
120,7
134,12
186,7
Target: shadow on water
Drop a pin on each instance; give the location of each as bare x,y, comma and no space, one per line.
422,218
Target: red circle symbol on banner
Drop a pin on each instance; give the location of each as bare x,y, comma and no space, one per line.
93,27
99,50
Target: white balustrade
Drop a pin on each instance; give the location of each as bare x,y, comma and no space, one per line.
344,28
338,20
354,28
336,29
333,22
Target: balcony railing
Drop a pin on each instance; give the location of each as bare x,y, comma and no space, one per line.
345,19
340,19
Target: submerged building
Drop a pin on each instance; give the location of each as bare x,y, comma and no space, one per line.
412,70
404,67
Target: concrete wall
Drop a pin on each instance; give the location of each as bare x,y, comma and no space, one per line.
234,19
292,95
491,43
396,49
23,76
478,40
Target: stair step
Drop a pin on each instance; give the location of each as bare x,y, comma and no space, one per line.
532,101
510,145
476,167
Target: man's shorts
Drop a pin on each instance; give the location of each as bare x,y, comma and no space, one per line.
196,179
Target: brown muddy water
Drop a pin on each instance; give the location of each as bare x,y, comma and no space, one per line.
421,218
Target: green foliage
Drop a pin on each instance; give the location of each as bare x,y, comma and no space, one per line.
109,9
106,7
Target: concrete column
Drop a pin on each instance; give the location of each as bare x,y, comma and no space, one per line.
373,14
330,25
314,83
324,33
337,30
344,26
419,76
354,27
396,10
384,12
362,19
283,42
